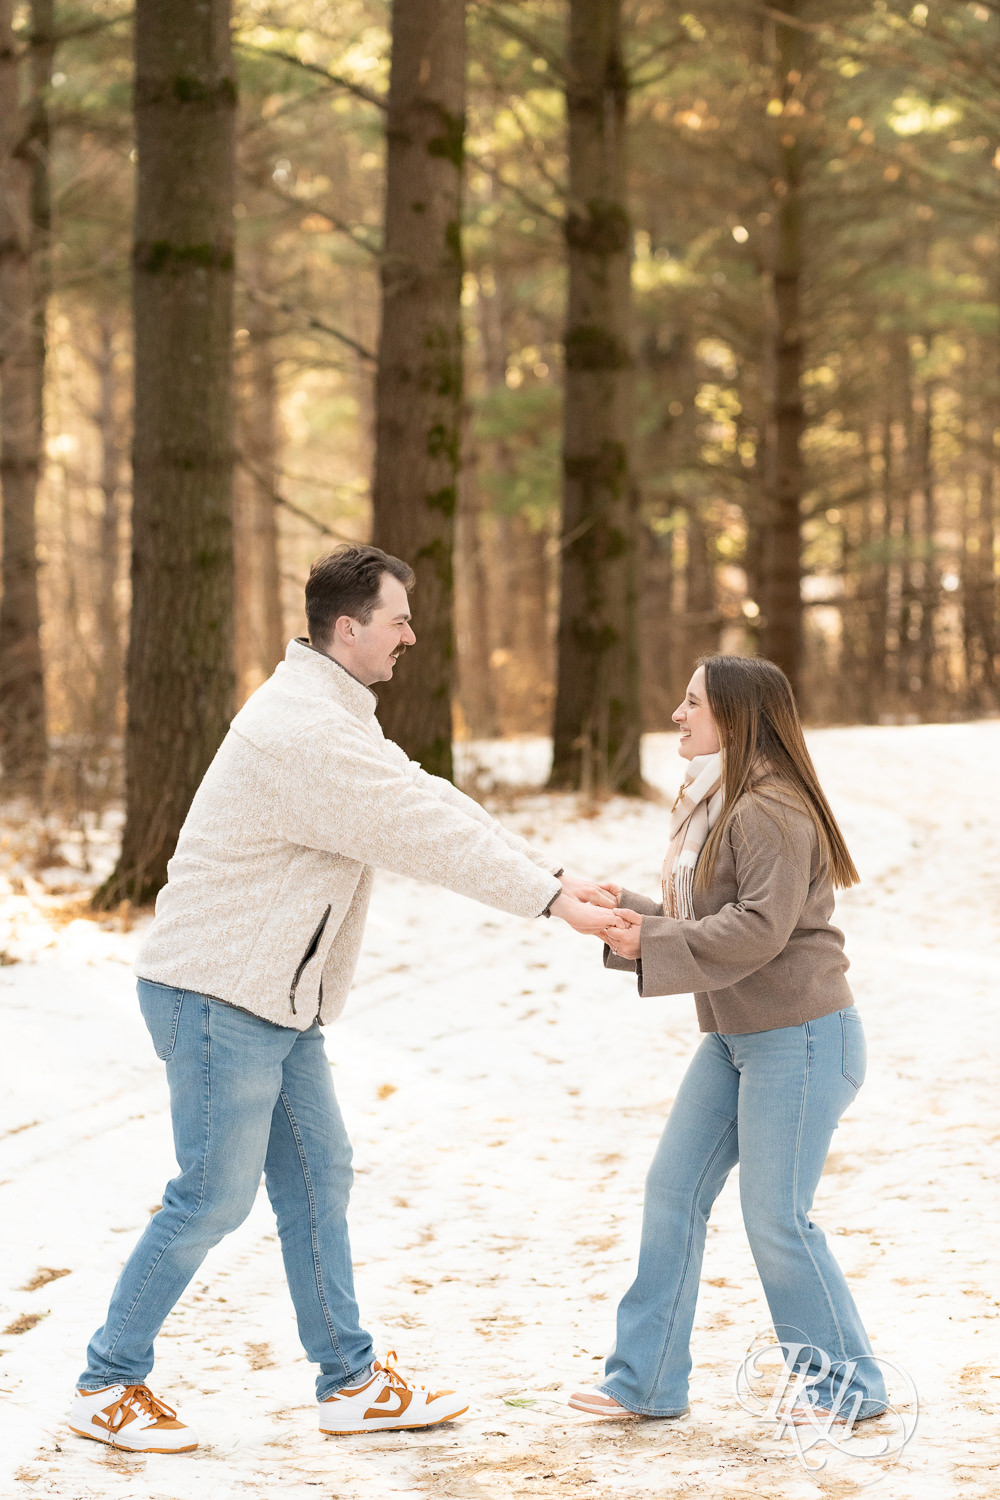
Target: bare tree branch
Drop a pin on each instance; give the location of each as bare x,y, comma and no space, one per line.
307,320
277,498
318,206
335,80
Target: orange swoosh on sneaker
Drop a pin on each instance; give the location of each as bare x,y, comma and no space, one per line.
382,1400
110,1412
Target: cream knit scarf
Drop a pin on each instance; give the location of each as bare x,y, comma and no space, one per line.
692,818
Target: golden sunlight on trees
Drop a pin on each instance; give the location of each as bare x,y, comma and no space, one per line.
642,330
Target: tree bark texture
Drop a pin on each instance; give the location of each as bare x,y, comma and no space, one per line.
180,656
260,642
24,249
596,732
978,567
781,634
929,580
472,607
107,612
418,393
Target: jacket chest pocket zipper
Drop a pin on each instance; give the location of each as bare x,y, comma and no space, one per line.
308,955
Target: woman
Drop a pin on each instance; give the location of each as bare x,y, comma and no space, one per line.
754,855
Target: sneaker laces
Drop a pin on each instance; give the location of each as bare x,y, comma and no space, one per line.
395,1378
141,1400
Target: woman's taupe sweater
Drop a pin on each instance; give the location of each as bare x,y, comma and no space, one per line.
762,951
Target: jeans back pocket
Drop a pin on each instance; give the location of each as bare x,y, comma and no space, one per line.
855,1050
161,1010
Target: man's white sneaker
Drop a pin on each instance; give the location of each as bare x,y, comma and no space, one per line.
130,1417
386,1402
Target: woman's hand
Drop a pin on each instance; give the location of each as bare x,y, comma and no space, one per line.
589,890
582,916
623,935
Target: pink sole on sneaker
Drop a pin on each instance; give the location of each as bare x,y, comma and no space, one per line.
599,1406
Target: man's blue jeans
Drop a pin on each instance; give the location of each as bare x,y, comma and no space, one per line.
246,1097
769,1100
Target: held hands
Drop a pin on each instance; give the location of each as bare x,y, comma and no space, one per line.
597,893
582,916
623,933
584,904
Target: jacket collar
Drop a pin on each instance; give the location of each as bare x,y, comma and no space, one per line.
323,675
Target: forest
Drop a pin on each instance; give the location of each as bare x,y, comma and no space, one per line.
642,330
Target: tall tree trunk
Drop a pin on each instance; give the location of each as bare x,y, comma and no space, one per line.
781,591
897,523
701,609
107,614
259,627
659,642
180,657
519,637
597,717
928,560
981,594
472,611
24,248
418,392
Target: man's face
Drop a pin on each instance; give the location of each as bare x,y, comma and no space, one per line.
377,645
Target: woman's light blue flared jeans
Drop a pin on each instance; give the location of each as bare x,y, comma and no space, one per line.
247,1098
769,1100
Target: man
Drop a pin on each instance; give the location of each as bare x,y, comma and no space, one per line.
251,951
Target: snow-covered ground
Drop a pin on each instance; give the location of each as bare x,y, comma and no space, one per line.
505,1094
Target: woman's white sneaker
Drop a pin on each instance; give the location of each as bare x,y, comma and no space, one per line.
386,1402
130,1417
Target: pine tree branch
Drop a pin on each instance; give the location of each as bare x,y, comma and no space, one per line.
267,299
277,498
502,22
335,80
91,28
526,198
315,206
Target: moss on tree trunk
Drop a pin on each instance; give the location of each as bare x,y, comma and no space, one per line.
180,657
418,391
597,717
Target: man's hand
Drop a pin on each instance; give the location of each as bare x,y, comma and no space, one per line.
623,934
582,916
588,890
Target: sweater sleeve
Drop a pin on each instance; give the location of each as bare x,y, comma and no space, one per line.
773,847
446,791
631,901
344,793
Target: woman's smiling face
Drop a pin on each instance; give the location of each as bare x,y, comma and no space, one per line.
699,735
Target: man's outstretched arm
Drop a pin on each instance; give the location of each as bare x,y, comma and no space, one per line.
579,887
346,795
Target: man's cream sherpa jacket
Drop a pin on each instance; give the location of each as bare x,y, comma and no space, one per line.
268,889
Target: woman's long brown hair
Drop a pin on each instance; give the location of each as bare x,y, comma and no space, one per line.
761,735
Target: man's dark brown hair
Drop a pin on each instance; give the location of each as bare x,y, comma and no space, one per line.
348,582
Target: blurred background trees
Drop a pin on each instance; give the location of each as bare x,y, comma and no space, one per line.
795,358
